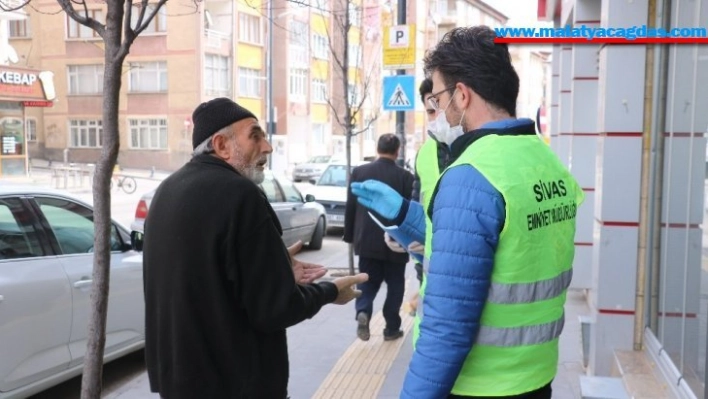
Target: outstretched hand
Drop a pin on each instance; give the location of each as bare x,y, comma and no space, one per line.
378,197
305,273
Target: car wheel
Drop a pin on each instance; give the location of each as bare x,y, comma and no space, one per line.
317,235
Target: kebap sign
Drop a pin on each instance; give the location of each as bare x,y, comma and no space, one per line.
27,85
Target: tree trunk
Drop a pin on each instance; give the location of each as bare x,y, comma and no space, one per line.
91,382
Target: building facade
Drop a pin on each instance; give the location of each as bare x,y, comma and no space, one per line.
628,122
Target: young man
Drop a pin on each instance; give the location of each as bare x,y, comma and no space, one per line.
375,258
499,237
219,283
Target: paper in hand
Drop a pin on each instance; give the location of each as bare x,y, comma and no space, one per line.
398,235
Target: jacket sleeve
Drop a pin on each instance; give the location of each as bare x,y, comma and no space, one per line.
412,220
350,210
415,192
264,279
468,216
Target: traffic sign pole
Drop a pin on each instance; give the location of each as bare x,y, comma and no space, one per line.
401,115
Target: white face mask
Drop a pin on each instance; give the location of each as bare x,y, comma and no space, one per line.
441,130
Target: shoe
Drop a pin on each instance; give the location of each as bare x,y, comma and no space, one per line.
392,336
362,329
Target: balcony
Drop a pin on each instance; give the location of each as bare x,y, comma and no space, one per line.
216,39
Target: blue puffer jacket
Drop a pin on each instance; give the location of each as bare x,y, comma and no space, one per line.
468,215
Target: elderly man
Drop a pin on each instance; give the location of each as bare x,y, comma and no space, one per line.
219,283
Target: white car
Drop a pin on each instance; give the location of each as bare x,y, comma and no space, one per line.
330,189
46,263
301,217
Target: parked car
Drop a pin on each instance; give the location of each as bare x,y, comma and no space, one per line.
46,263
312,169
330,189
301,217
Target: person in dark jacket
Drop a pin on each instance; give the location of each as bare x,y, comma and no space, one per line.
220,287
375,257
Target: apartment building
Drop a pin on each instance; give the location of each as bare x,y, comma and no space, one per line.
184,57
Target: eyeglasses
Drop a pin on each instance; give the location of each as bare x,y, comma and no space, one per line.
433,99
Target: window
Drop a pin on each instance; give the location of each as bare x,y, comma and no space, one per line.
298,51
148,134
271,190
157,25
217,75
299,33
148,77
298,82
85,79
72,225
318,134
31,129
290,192
18,239
319,91
354,14
19,28
320,47
370,126
249,28
354,55
77,31
249,82
353,95
86,133
334,175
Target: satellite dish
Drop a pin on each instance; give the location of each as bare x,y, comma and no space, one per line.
11,54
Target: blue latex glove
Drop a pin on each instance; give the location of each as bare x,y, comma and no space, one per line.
378,197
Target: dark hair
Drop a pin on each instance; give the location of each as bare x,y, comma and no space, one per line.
469,55
388,144
426,87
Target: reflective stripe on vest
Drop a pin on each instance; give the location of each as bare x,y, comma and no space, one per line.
516,294
520,336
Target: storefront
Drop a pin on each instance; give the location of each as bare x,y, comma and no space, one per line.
20,88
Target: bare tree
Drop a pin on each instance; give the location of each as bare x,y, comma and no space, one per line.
118,33
348,110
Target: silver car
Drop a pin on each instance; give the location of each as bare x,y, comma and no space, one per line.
312,169
46,263
301,217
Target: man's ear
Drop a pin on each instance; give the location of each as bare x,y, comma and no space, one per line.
220,145
466,96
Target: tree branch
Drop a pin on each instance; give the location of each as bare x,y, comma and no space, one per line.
141,25
68,8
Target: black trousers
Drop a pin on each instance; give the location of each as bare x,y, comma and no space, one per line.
382,271
542,393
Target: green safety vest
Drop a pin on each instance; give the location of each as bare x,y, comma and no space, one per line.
428,170
516,350
427,167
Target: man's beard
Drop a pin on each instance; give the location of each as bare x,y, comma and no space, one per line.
251,171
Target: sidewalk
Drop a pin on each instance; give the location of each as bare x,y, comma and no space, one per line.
78,180
327,361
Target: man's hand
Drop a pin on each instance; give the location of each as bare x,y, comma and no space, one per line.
393,245
295,248
416,248
346,284
378,197
305,273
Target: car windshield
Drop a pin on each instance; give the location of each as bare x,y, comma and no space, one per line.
334,175
319,159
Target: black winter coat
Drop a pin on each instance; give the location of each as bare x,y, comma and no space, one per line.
219,288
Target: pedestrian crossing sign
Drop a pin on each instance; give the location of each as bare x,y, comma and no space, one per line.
399,93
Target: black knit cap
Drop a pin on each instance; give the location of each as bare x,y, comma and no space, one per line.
214,115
